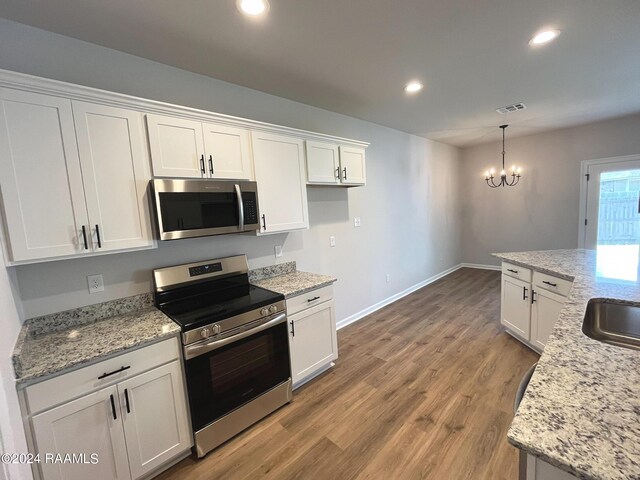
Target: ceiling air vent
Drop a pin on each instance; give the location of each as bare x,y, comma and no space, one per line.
511,108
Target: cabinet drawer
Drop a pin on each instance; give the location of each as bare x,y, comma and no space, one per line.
516,271
309,299
551,283
80,382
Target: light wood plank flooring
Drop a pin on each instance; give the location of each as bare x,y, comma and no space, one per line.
423,389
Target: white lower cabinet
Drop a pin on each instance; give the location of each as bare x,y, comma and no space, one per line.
83,426
531,303
540,470
312,338
134,426
545,309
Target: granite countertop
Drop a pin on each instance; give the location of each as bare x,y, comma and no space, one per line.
581,410
289,281
53,344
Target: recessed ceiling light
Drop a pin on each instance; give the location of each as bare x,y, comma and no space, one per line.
543,37
413,87
253,7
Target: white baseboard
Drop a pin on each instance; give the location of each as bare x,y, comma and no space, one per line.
367,311
377,306
480,266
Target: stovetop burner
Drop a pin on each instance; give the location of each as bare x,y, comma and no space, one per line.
199,294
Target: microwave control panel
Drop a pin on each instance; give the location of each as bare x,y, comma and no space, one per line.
250,207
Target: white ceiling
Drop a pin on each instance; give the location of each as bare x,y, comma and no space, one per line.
354,56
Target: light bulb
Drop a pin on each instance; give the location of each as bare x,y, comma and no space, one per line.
253,7
503,173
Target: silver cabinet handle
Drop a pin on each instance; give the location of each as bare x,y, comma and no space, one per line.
240,207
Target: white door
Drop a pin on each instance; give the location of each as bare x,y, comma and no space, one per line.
312,339
545,309
40,176
282,192
116,177
612,223
155,418
89,425
515,313
323,163
227,152
352,165
177,147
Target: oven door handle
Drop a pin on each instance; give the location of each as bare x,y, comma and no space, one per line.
192,351
240,207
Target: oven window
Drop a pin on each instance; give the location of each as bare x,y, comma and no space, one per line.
225,379
194,211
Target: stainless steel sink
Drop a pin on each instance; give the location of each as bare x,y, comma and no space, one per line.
613,322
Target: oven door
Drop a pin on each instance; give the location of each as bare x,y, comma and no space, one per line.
223,375
198,208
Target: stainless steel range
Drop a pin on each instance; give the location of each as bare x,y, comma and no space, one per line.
235,344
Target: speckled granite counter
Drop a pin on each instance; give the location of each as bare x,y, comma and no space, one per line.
55,343
581,410
285,279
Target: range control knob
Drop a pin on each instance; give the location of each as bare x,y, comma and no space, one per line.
205,332
264,312
216,329
273,309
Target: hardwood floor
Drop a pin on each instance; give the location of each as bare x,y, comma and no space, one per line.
423,389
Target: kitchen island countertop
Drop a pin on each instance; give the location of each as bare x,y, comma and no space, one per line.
581,410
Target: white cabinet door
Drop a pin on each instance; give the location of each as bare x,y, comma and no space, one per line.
352,165
115,174
40,176
84,426
545,310
177,147
227,152
155,418
312,339
515,313
282,192
323,163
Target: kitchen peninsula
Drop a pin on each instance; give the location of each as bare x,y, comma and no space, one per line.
581,410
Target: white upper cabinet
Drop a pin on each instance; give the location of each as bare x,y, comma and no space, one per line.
177,147
74,177
227,151
328,164
40,175
188,148
282,194
323,163
352,166
115,174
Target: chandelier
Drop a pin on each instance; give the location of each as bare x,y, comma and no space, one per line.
515,171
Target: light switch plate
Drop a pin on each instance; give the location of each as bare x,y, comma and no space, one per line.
95,283
278,250
332,241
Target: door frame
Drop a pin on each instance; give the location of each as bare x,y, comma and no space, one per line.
584,168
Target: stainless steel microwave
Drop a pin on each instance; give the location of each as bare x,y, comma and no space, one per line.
199,208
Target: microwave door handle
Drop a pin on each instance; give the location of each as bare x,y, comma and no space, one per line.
240,207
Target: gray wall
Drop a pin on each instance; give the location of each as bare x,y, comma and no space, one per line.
409,208
540,213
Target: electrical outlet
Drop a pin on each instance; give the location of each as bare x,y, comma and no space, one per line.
332,241
388,277
278,250
96,284
356,222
